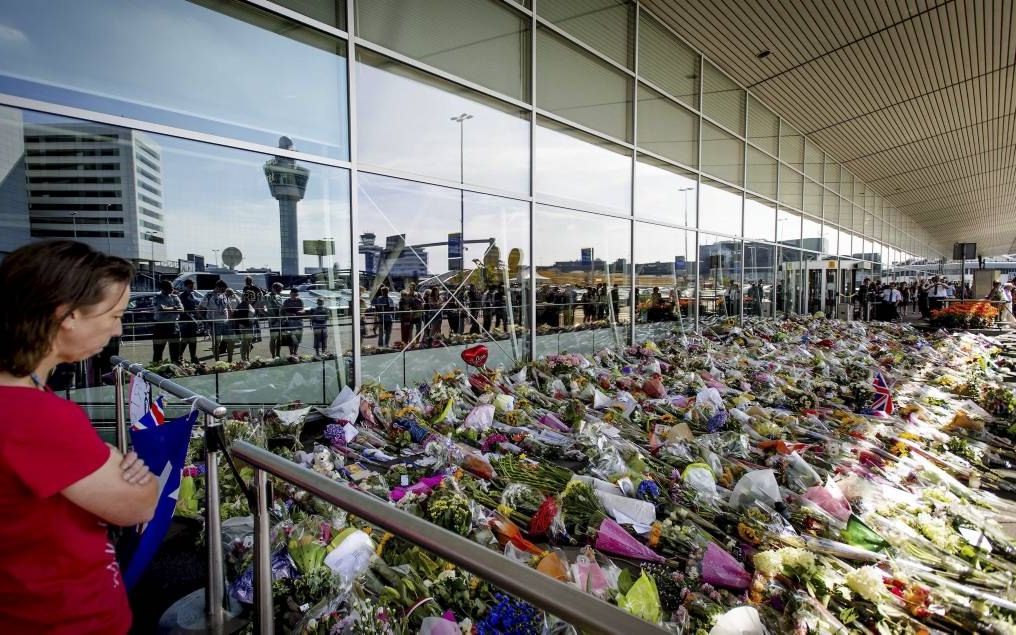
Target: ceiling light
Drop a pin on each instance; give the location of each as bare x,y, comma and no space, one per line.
763,54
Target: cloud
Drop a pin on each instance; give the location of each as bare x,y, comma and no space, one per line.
10,35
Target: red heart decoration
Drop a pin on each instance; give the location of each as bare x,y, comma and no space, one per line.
475,356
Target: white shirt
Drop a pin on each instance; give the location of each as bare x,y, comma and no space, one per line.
892,295
938,290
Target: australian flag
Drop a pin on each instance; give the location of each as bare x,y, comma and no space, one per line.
883,395
163,448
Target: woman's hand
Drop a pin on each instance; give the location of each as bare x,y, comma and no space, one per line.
134,470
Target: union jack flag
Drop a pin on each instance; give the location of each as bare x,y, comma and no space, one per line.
156,416
883,395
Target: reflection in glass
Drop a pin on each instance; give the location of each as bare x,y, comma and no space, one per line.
413,122
574,166
831,176
722,99
441,268
583,278
811,233
789,290
719,262
665,270
759,218
579,87
759,279
761,173
665,192
830,239
480,40
290,79
763,126
857,220
722,154
184,210
845,246
668,62
604,25
788,227
721,208
666,128
332,12
831,207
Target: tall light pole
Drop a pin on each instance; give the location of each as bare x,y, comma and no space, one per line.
461,120
685,190
216,252
74,222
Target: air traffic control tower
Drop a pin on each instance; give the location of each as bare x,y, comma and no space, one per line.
288,183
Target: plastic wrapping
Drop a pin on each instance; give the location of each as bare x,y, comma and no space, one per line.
759,485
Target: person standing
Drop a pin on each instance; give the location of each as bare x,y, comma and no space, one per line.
319,326
385,315
166,328
258,305
273,307
244,320
891,299
292,310
215,309
189,321
937,292
58,570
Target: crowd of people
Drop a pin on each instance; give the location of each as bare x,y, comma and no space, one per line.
890,301
233,320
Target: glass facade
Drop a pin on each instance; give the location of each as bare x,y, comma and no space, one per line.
459,172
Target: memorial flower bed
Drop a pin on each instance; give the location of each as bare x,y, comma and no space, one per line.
802,475
965,315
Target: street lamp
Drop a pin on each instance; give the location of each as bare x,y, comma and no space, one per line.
685,190
216,252
461,120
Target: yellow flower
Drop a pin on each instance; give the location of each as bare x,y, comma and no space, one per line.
900,449
381,544
505,510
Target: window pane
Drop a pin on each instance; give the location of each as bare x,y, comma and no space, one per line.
788,227
761,173
480,40
789,282
831,179
605,25
411,124
665,192
831,207
812,197
811,233
763,126
667,61
722,154
857,220
791,146
759,279
719,262
176,209
830,239
81,60
572,84
844,249
331,12
666,128
721,208
759,218
722,99
583,280
791,187
813,162
664,280
573,166
845,210
436,300
846,184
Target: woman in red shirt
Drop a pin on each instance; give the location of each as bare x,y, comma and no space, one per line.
59,483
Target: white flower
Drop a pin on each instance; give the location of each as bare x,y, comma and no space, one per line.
768,562
866,582
801,558
447,574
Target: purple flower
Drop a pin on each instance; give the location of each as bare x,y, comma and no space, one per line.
717,421
335,434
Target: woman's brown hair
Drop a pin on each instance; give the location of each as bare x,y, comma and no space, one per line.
38,279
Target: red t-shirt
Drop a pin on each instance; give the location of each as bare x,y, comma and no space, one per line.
58,571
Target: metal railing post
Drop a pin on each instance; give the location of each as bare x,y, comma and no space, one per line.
120,413
264,616
215,589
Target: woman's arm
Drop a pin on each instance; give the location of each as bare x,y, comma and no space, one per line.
122,491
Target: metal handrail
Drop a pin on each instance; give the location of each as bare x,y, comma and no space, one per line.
557,598
215,589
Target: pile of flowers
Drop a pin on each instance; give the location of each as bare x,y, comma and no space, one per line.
965,315
188,369
739,479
